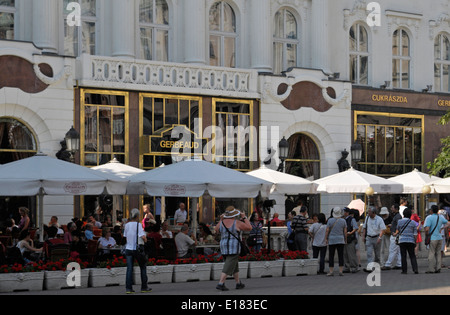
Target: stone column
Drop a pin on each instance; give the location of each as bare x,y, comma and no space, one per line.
123,28
45,25
195,26
260,35
319,36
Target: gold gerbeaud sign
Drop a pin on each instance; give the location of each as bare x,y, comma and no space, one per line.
389,98
444,103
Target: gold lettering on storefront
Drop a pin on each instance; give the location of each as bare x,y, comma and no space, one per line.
389,98
444,103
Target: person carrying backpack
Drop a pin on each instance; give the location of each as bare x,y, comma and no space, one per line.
350,258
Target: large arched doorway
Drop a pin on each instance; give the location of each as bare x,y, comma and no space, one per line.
17,142
304,161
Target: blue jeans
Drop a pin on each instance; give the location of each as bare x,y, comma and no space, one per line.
130,256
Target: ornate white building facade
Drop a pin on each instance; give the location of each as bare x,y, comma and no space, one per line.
312,69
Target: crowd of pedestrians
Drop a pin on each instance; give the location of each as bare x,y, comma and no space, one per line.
388,237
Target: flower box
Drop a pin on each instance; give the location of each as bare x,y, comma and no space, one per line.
192,272
105,277
216,270
16,282
263,269
155,274
300,267
57,280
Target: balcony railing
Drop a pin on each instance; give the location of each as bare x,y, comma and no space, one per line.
142,75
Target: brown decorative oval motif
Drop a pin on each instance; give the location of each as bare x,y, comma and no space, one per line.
75,188
175,190
306,94
17,72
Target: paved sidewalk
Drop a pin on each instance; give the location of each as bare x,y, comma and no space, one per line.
392,282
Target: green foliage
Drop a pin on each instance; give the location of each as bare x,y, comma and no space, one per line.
442,162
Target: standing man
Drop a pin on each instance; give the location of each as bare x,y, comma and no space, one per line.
373,229
180,215
299,225
403,205
350,258
394,249
433,225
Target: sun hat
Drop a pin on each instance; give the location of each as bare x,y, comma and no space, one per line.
231,212
337,212
384,211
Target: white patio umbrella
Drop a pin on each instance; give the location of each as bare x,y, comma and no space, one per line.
414,182
283,183
357,182
192,178
121,170
441,186
42,175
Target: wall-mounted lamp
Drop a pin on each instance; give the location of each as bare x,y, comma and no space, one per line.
386,85
428,89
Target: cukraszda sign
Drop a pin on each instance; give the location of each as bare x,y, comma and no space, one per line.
389,98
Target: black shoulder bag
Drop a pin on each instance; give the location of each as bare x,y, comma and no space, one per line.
244,249
397,238
428,236
141,254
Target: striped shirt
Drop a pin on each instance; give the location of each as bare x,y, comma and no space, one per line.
299,224
409,232
229,244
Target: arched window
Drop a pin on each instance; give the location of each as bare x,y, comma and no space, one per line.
16,141
401,60
7,12
222,35
359,55
80,40
303,158
285,41
442,63
154,30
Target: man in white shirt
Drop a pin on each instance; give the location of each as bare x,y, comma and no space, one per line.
184,242
403,205
373,228
181,214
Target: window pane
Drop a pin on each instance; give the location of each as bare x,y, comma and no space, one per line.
7,3
291,26
214,17
390,141
291,52
437,77
104,131
370,138
158,112
364,70
363,41
405,74
277,57
353,68
229,19
214,50
162,45
409,146
405,44
437,48
279,25
148,116
162,12
380,142
88,36
88,8
395,43
229,52
90,127
146,11
171,112
417,145
119,130
353,38
6,26
146,43
396,73
445,78
445,48
70,40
